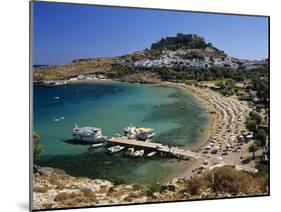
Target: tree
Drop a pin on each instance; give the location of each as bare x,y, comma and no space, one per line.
256,117
261,136
253,121
253,148
251,125
230,83
37,146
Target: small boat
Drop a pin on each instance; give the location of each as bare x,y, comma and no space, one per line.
130,152
139,153
56,97
54,83
151,154
115,149
96,145
58,119
117,135
145,133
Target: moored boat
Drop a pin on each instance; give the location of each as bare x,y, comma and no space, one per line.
115,149
54,83
130,151
139,153
133,132
87,134
151,154
96,145
145,133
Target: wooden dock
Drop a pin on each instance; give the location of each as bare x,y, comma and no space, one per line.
175,151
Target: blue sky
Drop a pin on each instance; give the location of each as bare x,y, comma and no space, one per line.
63,32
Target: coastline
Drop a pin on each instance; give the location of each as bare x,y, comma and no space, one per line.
47,192
209,131
227,121
205,136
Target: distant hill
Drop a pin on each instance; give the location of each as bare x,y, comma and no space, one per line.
189,51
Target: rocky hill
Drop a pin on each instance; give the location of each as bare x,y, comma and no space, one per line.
188,51
181,41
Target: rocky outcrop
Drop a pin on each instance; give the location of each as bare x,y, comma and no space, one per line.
180,41
53,188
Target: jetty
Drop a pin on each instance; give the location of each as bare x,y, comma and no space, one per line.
170,150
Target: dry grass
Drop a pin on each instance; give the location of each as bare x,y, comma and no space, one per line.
41,189
195,185
88,193
229,180
62,196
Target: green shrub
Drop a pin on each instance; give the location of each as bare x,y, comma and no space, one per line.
154,187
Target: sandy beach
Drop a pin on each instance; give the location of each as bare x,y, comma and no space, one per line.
219,143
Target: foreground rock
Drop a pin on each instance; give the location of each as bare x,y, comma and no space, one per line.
56,189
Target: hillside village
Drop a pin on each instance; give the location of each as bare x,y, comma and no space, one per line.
188,51
171,59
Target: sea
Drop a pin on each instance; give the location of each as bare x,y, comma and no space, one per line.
177,118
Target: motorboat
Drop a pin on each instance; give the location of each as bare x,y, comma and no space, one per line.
115,149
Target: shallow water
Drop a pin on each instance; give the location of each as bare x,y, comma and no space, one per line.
175,116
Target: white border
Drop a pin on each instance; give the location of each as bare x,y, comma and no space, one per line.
15,103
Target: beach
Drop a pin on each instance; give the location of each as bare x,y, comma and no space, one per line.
219,143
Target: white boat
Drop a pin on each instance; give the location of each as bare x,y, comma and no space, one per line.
130,152
87,134
145,133
56,97
133,132
139,153
151,154
54,83
96,145
115,149
58,119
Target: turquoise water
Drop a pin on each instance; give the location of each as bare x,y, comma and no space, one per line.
176,117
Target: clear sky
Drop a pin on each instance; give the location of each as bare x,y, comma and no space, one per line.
63,32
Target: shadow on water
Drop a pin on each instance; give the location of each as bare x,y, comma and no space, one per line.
75,142
98,164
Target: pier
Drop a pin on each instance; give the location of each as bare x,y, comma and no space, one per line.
174,151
